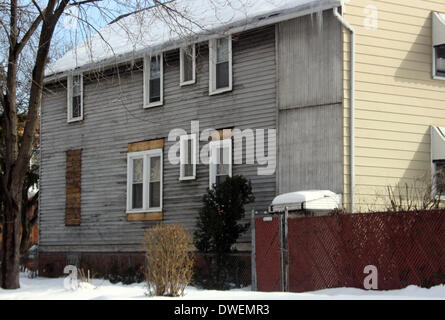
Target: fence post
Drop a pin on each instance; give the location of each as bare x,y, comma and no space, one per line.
280,233
286,251
253,252
284,255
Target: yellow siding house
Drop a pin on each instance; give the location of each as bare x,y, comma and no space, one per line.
398,94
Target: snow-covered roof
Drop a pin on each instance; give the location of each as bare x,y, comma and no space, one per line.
301,196
151,30
306,199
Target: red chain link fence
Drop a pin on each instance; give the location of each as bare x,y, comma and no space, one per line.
268,261
332,251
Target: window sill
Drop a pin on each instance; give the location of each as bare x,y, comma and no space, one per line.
74,120
187,178
145,216
154,104
219,91
438,77
187,83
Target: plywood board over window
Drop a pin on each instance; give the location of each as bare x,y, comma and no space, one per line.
73,187
221,134
145,180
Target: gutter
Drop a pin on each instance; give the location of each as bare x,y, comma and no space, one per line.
351,107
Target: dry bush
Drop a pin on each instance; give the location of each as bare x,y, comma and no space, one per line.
420,194
169,262
85,276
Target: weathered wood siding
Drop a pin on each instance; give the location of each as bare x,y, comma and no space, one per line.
114,117
310,152
310,104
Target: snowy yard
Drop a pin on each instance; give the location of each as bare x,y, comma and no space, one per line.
48,289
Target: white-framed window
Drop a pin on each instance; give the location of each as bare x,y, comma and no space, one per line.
187,63
439,179
438,161
188,147
220,64
439,61
144,181
75,98
153,81
438,42
220,164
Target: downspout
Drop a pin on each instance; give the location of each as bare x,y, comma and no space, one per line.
351,107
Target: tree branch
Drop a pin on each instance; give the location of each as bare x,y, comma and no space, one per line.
58,12
79,3
13,23
38,8
29,33
6,32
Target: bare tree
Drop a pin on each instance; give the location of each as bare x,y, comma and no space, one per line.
27,32
18,34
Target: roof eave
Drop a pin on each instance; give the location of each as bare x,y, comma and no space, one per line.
256,22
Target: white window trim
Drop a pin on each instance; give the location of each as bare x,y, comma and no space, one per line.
435,76
182,51
212,68
183,140
147,62
146,180
433,175
70,98
213,162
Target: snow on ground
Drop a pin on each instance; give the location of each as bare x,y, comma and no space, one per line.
53,289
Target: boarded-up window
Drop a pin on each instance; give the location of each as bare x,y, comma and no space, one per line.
73,187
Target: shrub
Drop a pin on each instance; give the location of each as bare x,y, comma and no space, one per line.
169,263
218,226
422,193
132,274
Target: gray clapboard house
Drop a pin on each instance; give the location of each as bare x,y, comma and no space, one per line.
106,171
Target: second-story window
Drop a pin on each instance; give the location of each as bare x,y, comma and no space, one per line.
187,65
153,81
440,60
75,97
220,61
438,41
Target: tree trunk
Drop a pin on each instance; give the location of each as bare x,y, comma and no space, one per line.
11,246
24,242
